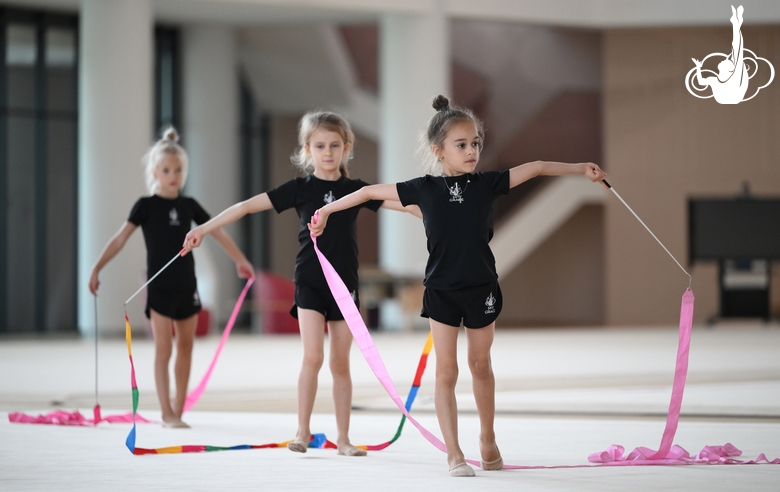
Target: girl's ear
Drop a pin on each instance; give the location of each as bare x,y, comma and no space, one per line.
437,151
307,150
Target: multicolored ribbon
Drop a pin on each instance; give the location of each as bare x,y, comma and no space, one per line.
410,397
318,441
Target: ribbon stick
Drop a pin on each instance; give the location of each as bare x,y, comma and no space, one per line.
180,253
670,455
690,279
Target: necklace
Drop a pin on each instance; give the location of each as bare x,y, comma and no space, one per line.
456,194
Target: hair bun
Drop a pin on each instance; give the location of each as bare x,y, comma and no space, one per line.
441,103
171,135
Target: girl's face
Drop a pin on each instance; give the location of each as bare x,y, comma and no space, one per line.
326,149
169,173
459,153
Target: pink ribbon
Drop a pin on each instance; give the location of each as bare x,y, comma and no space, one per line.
195,394
667,454
365,342
75,418
61,417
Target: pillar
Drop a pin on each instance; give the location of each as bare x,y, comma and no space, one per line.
115,130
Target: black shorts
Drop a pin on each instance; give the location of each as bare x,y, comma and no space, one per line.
477,306
173,303
320,300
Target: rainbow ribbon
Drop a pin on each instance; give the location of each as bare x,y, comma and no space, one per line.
318,441
410,397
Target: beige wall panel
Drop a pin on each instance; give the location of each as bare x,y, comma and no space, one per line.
663,146
561,283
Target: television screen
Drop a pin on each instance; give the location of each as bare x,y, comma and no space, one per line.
734,228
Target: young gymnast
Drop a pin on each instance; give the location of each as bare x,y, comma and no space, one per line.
172,299
460,278
325,142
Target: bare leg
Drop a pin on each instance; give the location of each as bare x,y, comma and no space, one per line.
162,328
484,387
445,341
340,344
185,338
312,326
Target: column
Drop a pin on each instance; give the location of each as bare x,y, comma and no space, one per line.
414,68
115,130
210,134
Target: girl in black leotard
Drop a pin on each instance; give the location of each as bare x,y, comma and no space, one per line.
172,299
460,279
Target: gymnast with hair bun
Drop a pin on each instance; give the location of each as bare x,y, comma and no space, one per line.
461,285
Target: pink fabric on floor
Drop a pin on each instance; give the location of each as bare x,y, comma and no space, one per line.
668,454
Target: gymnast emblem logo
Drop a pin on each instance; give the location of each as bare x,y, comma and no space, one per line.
173,215
329,198
490,302
354,296
195,299
456,194
730,84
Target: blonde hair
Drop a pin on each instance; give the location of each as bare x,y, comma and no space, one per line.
151,160
325,120
438,127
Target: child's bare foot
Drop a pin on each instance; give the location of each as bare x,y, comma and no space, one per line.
175,423
299,445
350,450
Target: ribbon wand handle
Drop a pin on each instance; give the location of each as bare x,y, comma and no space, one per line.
180,253
690,279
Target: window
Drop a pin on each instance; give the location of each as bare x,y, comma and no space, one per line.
38,170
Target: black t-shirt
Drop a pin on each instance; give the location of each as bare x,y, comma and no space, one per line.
165,223
339,241
458,219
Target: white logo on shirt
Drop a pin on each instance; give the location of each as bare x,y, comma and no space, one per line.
329,198
195,299
354,296
456,194
490,302
174,216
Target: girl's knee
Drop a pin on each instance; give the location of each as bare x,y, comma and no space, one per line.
339,368
447,376
481,367
313,361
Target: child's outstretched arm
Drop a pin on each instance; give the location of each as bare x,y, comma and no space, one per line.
257,203
373,192
243,266
524,172
394,205
112,247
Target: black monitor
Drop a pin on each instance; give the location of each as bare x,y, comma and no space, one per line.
741,228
